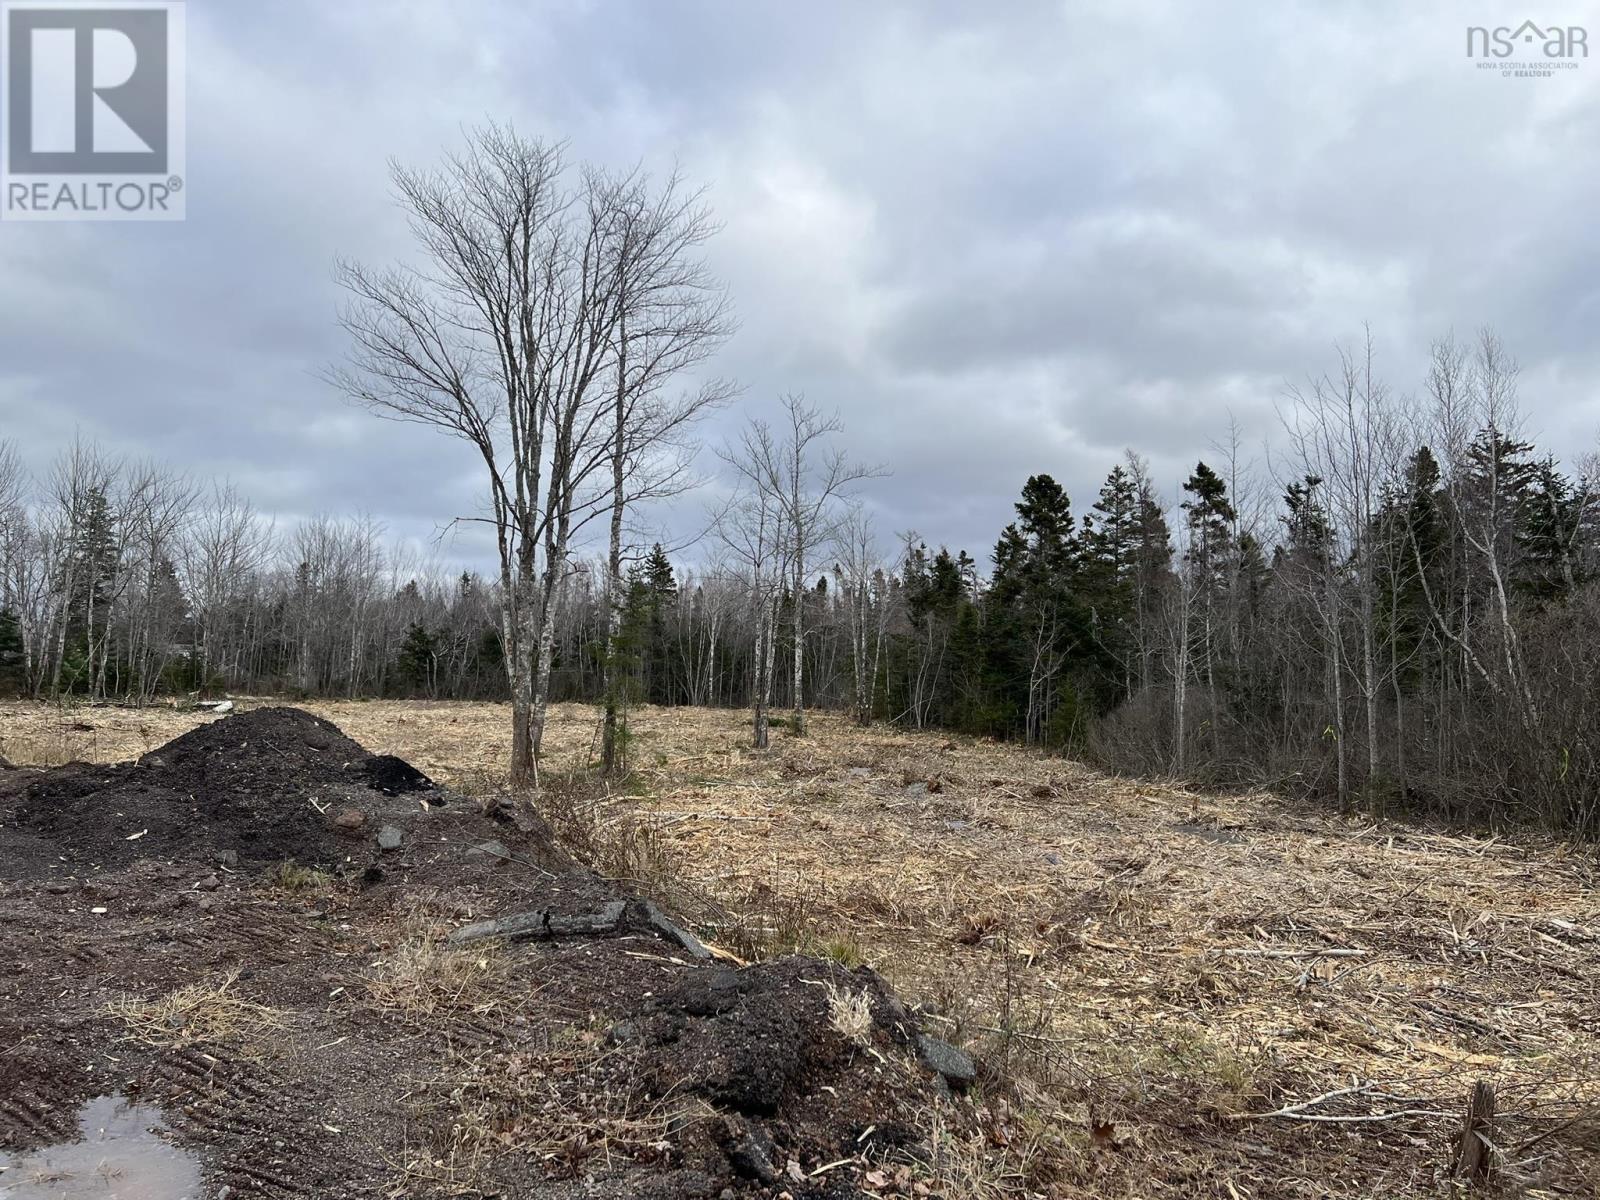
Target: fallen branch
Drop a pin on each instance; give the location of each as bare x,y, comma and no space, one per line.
1246,953
1298,1112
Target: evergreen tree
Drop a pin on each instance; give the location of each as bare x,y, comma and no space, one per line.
1549,529
1037,625
659,596
12,662
418,661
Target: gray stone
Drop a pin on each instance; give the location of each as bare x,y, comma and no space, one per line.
751,1155
229,858
490,849
625,1032
209,884
657,920
956,1066
390,837
916,790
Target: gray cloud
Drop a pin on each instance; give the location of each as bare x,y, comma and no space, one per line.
999,242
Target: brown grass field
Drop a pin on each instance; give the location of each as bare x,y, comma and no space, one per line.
1173,993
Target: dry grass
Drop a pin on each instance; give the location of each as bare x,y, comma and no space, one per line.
419,975
564,1102
201,1013
1148,973
292,877
850,1013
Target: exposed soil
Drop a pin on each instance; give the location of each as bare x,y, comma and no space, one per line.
307,1031
267,786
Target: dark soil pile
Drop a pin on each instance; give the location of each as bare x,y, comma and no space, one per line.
761,1047
265,785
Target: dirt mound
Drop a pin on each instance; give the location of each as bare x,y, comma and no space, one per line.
265,786
802,1059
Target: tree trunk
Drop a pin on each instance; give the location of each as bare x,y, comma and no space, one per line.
516,622
799,647
612,680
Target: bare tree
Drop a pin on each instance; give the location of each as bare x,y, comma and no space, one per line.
859,573
805,480
1349,436
752,532
226,546
509,336
671,316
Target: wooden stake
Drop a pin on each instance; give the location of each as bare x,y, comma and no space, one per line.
1474,1153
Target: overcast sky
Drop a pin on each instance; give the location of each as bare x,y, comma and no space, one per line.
999,239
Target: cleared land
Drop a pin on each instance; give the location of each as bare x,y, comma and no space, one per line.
1172,993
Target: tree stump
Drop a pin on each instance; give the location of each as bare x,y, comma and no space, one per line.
1474,1150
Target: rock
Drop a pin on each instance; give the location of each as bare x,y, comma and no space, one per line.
58,888
5,764
228,858
657,920
751,1152
390,837
490,849
955,826
350,818
861,772
209,884
916,790
955,1065
1051,857
626,1032
207,903
225,1193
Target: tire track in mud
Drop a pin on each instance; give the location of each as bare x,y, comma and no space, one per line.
39,1100
33,1117
231,1106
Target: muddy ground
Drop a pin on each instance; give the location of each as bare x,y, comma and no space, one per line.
248,929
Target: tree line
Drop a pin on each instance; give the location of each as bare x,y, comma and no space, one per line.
1399,612
1396,607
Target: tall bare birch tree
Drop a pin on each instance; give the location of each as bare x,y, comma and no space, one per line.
507,333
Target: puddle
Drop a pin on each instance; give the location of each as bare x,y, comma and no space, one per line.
117,1157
